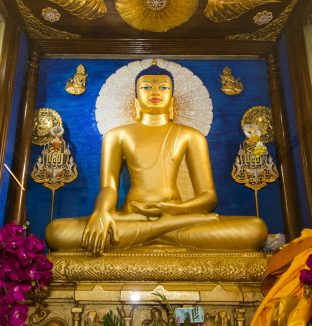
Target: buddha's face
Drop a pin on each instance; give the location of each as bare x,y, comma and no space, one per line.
154,94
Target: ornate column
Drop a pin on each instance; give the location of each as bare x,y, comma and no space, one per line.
289,197
15,210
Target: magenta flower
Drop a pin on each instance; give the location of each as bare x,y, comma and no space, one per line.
33,274
306,277
14,294
43,263
46,277
3,308
18,315
11,230
23,268
8,271
15,243
309,262
34,244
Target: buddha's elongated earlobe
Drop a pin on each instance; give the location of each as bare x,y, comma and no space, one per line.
171,110
138,111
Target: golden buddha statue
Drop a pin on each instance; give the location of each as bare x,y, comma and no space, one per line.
153,212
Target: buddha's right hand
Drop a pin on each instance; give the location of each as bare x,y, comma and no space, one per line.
99,226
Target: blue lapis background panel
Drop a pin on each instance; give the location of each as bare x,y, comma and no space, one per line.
78,114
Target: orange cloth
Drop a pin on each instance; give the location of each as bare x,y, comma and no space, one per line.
281,260
284,304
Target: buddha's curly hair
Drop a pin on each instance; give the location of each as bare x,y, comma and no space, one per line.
154,70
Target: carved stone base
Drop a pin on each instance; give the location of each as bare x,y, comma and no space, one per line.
225,284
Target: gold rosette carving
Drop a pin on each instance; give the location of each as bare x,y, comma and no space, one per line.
156,15
220,10
84,9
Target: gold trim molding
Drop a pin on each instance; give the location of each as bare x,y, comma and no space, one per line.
158,265
270,32
37,29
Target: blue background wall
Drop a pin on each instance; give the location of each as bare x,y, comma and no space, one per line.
77,198
17,95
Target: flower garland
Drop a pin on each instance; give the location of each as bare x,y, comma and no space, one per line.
306,278
23,268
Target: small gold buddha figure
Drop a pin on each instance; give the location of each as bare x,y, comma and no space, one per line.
77,85
230,85
153,212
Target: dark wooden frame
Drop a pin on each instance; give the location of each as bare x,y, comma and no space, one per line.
302,91
154,47
9,56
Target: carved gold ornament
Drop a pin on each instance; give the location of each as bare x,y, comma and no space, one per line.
115,103
260,116
37,29
84,9
230,85
263,17
44,120
159,264
220,10
50,14
270,32
55,166
39,317
77,85
253,166
156,15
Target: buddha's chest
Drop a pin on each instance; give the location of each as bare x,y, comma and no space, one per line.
147,148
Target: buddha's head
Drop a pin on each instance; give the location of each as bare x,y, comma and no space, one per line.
154,91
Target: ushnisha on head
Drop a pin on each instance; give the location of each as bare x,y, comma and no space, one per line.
154,91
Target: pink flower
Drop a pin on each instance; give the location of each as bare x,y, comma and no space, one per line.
9,271
43,263
22,257
15,243
34,244
3,308
11,230
46,278
14,294
18,315
309,262
306,277
33,274
22,268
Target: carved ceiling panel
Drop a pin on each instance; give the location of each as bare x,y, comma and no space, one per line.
220,19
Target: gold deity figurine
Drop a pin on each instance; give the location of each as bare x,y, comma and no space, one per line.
153,212
230,85
77,85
